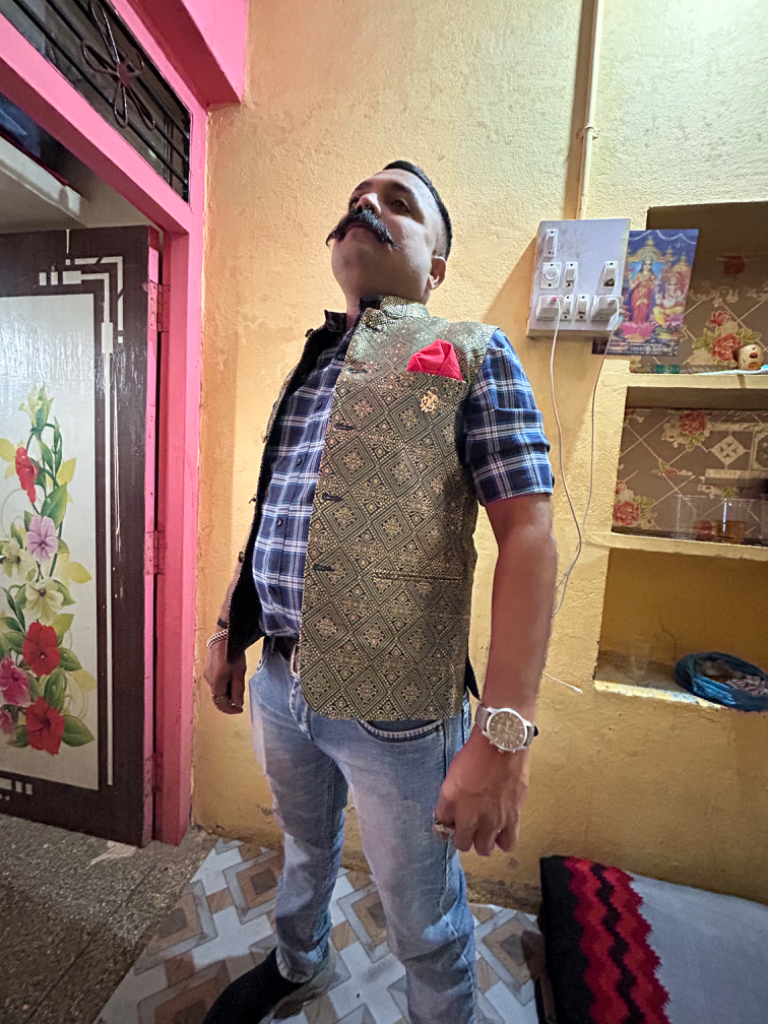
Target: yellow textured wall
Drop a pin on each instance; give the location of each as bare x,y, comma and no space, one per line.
683,605
487,96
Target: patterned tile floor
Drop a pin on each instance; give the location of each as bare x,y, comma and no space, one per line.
223,926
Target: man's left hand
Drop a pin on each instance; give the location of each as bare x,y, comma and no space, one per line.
483,796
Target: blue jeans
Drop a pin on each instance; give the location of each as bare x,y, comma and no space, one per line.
394,771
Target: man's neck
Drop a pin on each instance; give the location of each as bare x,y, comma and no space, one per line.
355,307
353,312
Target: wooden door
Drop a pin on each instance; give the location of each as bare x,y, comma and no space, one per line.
77,466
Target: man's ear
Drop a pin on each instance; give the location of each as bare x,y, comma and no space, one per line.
437,272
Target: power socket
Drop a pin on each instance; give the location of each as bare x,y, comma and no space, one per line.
605,307
548,307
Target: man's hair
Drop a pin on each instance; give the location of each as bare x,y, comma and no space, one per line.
406,165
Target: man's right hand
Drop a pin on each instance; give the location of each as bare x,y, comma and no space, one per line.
227,681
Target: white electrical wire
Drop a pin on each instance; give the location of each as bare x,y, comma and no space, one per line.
562,682
564,580
562,586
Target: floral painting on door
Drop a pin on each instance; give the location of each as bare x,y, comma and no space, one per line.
44,688
49,610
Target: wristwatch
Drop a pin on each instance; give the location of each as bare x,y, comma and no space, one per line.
505,728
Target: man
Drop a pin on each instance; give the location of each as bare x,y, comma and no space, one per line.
358,573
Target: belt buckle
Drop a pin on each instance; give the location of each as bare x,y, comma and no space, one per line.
293,661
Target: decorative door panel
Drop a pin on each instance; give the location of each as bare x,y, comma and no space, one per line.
77,397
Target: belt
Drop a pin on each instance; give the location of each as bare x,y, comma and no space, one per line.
287,647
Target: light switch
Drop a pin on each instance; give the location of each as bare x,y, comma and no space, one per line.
608,279
582,307
550,243
567,310
569,277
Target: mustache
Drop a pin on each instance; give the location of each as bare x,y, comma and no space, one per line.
369,220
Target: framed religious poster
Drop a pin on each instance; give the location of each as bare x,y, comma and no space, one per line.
657,276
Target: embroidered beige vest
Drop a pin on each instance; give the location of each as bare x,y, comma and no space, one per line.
391,557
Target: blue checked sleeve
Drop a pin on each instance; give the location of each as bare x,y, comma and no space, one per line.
502,431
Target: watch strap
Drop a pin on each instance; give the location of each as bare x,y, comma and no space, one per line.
482,715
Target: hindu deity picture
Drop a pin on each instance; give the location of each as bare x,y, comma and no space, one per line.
657,276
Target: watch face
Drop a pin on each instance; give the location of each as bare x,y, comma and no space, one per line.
506,730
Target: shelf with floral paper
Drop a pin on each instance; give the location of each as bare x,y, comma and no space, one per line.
693,477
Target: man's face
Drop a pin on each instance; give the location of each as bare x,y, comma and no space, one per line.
391,239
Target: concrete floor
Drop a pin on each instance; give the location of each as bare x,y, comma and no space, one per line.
75,912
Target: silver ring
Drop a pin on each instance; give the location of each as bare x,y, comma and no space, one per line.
440,828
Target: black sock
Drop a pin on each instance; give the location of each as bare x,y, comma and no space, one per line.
252,996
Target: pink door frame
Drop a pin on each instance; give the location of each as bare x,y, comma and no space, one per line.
31,82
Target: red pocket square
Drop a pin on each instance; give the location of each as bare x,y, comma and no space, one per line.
437,358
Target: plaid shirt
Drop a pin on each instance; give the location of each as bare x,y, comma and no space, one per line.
504,448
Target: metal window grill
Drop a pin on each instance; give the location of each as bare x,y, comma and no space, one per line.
91,46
